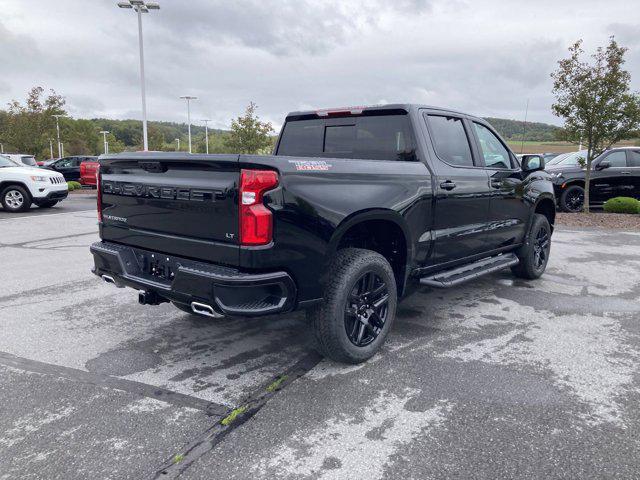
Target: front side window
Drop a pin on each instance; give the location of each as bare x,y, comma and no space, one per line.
616,159
494,152
450,140
65,163
29,160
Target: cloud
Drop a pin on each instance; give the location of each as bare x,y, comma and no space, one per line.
285,55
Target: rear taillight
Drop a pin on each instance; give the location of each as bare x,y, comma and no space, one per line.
99,194
256,220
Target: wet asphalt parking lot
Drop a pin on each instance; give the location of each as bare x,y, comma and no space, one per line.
499,378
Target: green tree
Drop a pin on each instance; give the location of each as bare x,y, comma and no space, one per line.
595,101
248,133
26,128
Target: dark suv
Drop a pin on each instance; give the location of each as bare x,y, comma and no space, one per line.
70,166
615,173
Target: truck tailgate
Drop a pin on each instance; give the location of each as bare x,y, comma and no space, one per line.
172,203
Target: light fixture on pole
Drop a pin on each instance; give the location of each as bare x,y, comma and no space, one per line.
206,132
58,133
188,98
178,140
106,144
140,7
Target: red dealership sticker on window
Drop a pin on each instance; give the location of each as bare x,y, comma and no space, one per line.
311,165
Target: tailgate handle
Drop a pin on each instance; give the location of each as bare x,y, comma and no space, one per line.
153,167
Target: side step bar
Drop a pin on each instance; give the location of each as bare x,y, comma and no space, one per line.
458,275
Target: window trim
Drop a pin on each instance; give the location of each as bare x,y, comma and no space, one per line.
515,165
474,158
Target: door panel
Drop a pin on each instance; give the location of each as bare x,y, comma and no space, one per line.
462,191
613,181
508,210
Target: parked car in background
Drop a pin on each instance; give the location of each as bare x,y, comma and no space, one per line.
614,173
88,170
22,185
22,159
70,166
549,156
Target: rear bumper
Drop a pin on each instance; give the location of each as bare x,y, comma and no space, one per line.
227,290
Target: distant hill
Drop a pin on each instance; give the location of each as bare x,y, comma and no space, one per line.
511,130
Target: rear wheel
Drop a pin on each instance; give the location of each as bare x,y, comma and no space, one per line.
534,255
572,199
15,198
359,306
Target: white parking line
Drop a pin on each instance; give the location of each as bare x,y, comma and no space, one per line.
48,215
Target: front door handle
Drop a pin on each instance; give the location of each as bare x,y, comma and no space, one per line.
447,185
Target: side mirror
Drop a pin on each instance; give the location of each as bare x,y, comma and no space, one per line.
603,164
531,163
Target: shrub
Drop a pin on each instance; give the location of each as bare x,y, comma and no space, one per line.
622,205
74,186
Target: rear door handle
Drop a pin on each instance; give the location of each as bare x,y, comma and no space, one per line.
447,185
625,173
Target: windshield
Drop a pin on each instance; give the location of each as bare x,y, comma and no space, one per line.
5,162
569,159
29,160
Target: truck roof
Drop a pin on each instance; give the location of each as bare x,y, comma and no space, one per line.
356,110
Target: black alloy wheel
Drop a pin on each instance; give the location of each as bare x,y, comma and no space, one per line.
541,247
366,310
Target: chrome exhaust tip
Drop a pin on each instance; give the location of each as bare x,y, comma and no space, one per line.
204,309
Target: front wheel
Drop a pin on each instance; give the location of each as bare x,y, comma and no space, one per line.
534,254
359,306
15,198
572,199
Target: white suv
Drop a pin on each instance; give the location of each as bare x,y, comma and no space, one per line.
20,186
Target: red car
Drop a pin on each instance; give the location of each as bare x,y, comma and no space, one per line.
88,170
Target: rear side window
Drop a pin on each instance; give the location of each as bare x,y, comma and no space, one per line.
384,137
494,152
634,158
450,140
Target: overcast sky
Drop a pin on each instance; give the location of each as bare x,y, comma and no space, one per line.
484,57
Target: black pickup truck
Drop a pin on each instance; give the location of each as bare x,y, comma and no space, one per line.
354,208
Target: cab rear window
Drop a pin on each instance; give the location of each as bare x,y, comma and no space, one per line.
384,137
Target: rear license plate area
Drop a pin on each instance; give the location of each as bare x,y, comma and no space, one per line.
158,266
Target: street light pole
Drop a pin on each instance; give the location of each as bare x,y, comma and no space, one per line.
51,149
188,98
140,6
106,144
1,148
178,140
58,134
206,132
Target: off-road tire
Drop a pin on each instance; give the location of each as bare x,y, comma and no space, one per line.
565,199
528,267
49,204
328,318
8,203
